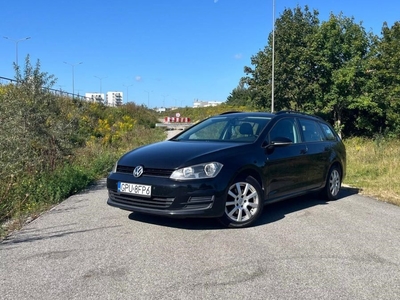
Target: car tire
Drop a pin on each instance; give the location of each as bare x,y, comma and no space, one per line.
333,184
244,203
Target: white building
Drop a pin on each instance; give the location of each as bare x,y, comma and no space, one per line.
198,103
114,98
160,109
95,97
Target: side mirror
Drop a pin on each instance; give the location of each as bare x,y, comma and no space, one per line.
278,141
281,141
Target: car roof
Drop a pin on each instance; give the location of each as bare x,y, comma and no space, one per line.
272,115
242,113
298,113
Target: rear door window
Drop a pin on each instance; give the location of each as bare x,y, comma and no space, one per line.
311,130
328,132
286,129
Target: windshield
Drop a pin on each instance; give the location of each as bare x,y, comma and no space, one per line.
226,128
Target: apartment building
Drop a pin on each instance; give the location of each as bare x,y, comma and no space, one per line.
95,97
114,98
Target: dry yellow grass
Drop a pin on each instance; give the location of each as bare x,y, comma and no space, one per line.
374,167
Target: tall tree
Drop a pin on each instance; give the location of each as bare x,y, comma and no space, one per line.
295,79
341,49
258,79
241,95
335,69
384,84
295,73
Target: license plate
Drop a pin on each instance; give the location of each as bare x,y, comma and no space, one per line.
135,189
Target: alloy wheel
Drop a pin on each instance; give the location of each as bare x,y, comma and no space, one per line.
334,183
242,203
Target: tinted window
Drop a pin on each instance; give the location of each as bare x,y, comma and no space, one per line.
329,135
211,132
226,128
311,130
285,128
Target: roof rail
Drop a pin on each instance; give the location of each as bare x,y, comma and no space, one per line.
289,112
230,112
296,112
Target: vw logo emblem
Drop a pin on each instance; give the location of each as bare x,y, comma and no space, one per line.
138,171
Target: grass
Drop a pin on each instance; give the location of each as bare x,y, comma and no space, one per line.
373,166
25,197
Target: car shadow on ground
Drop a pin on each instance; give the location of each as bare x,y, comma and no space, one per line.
272,213
277,211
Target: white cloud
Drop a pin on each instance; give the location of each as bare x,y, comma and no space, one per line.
238,56
138,78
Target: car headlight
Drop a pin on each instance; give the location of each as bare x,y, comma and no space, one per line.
207,170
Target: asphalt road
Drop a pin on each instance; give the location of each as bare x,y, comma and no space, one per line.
304,248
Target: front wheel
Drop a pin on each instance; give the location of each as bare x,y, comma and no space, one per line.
244,203
333,184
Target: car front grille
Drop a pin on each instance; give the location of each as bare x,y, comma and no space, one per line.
132,200
146,171
161,203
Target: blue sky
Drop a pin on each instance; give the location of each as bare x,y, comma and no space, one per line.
162,52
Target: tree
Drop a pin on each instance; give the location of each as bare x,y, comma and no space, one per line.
384,84
295,78
334,69
341,52
240,96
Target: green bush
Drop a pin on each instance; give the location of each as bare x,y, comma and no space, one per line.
52,147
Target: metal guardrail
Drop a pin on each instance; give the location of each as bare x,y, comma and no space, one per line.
56,92
8,79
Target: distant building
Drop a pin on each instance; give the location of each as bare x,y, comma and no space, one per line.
114,98
160,109
94,97
198,103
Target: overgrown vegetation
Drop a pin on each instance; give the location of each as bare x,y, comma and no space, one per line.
52,146
373,166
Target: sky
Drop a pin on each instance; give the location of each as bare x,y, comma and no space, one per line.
159,53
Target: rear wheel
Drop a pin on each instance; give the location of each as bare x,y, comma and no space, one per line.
333,184
244,203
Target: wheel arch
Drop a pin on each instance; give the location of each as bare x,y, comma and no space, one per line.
336,164
253,173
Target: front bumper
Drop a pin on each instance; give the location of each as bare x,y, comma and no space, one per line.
196,198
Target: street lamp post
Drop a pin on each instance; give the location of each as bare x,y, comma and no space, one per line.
127,91
16,46
273,58
148,98
101,80
73,76
164,100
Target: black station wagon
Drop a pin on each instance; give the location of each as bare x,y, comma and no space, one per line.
229,166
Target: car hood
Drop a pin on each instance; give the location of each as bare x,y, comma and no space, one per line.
176,154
